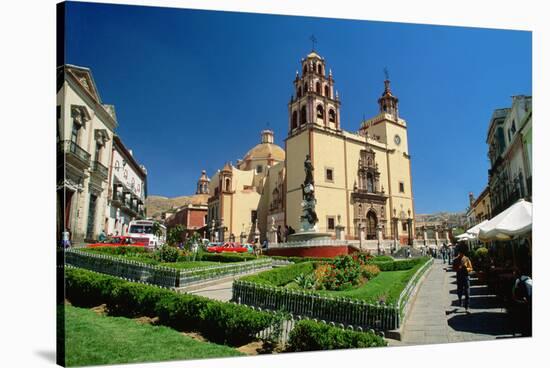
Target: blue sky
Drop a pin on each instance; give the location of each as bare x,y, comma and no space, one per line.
192,89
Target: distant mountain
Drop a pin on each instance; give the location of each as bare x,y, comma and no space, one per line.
451,218
156,205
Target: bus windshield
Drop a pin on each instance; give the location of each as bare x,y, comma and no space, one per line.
141,229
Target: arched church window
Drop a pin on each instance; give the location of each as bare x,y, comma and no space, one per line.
303,116
305,68
305,87
327,91
331,116
294,120
370,183
318,87
320,112
299,91
227,184
319,69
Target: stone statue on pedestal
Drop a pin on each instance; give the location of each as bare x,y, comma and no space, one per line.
309,217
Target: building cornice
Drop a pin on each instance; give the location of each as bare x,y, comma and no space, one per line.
117,144
97,107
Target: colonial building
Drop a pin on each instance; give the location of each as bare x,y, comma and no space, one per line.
127,190
193,215
362,178
509,141
85,128
479,209
100,186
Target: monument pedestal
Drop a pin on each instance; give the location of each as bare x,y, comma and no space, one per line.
304,236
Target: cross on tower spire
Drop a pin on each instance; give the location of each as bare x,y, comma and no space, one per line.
386,73
313,42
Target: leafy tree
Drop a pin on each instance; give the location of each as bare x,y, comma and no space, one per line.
175,235
157,230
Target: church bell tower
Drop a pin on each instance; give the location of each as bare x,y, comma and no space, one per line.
315,100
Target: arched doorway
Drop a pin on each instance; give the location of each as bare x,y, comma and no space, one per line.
372,223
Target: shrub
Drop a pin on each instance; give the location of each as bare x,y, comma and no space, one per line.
308,335
405,264
369,271
342,273
481,258
220,322
168,254
280,276
231,323
305,281
226,257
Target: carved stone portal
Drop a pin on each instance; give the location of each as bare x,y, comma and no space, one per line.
369,201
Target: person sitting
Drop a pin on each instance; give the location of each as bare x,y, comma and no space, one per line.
521,308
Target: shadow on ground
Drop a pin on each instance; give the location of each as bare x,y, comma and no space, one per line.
487,323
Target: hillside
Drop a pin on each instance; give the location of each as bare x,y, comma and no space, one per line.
155,205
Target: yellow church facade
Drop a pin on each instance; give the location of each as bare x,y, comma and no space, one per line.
363,183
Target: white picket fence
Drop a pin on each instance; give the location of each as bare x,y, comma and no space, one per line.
160,275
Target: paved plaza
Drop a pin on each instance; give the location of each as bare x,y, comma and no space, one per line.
220,291
436,316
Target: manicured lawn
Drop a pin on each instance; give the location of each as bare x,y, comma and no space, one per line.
387,284
147,258
92,340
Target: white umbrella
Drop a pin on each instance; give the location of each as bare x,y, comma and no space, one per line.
514,221
474,230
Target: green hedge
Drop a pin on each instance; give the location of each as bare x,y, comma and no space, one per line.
405,264
227,257
219,322
280,276
308,335
303,259
382,258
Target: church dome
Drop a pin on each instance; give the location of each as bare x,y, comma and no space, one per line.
266,149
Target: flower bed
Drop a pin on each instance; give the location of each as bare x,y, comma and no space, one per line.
272,292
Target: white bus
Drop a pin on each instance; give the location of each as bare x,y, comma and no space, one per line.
142,230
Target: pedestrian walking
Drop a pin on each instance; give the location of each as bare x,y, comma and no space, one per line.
279,240
463,266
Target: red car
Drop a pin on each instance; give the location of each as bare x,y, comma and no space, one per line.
118,241
228,247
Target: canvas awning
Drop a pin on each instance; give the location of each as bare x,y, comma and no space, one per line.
516,220
465,236
474,230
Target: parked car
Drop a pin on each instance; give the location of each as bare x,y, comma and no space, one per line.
118,241
227,247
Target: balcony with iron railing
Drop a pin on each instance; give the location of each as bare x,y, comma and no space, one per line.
74,154
100,170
